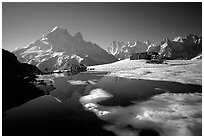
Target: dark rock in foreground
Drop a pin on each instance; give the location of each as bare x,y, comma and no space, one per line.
12,66
16,91
16,78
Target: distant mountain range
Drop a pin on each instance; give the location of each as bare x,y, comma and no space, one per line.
122,50
179,48
58,47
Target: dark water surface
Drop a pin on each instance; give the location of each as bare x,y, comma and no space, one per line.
125,90
61,113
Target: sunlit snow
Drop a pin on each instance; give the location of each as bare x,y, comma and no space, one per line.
77,82
169,113
54,29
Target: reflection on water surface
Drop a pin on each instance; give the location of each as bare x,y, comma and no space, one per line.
96,105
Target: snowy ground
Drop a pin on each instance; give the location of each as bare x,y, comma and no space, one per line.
178,115
183,71
170,114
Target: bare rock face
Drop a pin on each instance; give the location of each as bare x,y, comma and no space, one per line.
179,48
58,47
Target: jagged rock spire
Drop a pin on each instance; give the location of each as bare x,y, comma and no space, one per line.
78,37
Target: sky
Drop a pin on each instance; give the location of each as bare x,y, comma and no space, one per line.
100,23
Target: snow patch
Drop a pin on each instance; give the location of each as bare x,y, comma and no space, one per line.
58,75
78,58
90,101
95,95
197,57
44,38
54,29
45,42
178,39
57,54
77,82
134,45
80,82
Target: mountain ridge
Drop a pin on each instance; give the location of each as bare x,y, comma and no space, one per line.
179,48
58,46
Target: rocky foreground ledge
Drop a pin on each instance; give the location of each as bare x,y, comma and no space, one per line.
19,82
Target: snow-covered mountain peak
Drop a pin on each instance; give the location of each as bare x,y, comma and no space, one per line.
178,39
147,42
57,48
165,41
58,31
55,28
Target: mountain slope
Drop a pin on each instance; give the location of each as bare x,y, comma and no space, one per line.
59,47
